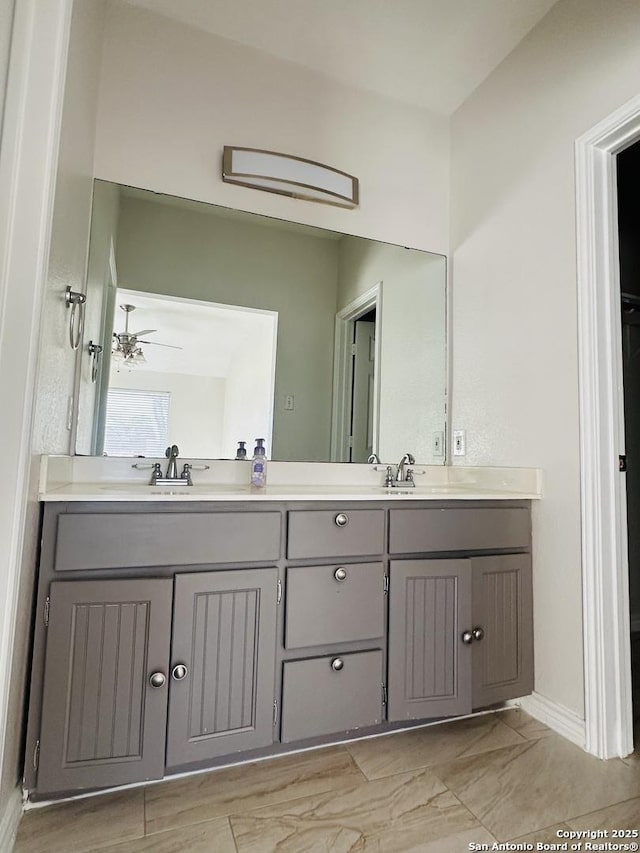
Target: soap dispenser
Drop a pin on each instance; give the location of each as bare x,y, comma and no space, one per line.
259,464
241,452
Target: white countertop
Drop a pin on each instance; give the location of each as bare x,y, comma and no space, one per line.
99,479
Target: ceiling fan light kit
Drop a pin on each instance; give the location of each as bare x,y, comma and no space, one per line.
126,346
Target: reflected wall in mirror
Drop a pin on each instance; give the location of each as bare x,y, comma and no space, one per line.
358,325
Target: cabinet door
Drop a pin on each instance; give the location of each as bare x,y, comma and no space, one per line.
429,664
103,723
224,635
502,611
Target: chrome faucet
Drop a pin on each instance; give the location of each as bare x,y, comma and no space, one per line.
402,475
172,468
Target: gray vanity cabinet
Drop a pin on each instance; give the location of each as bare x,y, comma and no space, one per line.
329,694
114,663
222,664
430,667
105,687
188,635
502,625
460,628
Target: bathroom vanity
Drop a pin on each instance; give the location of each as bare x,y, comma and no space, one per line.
174,634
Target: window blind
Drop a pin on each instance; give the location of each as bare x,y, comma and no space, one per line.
137,422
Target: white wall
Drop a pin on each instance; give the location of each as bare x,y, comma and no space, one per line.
413,345
70,234
73,186
515,379
180,252
172,97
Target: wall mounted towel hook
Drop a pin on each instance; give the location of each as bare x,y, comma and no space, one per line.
95,351
76,302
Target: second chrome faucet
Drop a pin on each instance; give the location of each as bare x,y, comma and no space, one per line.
403,477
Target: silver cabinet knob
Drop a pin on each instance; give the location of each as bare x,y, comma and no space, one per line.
467,637
157,679
478,633
179,672
337,664
340,574
342,519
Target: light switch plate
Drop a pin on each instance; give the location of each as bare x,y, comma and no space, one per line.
288,402
437,446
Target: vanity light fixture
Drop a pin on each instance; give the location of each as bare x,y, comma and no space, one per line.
290,176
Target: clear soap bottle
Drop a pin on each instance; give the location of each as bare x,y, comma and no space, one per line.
259,464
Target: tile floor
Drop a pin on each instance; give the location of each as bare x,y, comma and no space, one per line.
499,777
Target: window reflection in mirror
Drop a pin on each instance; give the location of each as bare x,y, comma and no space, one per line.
321,402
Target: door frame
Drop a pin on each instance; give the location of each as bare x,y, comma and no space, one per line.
606,619
343,371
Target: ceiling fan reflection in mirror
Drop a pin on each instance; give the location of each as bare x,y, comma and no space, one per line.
126,345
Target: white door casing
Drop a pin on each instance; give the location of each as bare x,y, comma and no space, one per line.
607,664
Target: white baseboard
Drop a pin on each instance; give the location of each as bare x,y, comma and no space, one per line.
9,820
563,721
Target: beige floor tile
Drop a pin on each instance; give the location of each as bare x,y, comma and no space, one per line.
624,815
458,843
548,835
221,792
520,789
82,825
213,836
398,813
397,753
525,724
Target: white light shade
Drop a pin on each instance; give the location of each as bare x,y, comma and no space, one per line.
286,175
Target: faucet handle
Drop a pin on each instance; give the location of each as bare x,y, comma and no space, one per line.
388,480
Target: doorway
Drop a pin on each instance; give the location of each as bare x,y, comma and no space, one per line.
356,378
628,190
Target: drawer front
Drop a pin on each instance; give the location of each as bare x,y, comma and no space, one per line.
335,533
123,540
459,529
334,604
319,699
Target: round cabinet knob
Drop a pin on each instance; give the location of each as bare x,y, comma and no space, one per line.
157,679
467,638
478,633
342,519
337,664
340,574
179,672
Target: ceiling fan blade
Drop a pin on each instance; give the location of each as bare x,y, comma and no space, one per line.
158,344
143,332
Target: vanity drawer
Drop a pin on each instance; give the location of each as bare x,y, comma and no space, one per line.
128,540
458,529
335,533
331,694
334,604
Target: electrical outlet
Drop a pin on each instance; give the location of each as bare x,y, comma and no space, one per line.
459,442
437,447
288,402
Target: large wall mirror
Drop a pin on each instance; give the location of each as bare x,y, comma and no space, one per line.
206,326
